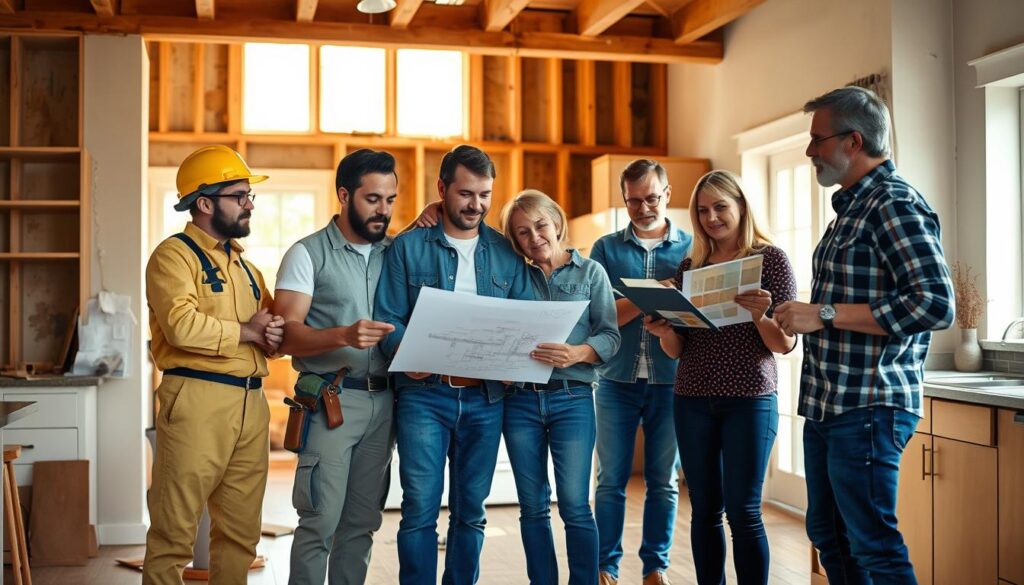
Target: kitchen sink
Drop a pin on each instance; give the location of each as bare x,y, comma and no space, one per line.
1009,383
996,383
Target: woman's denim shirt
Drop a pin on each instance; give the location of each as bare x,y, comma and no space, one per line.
582,279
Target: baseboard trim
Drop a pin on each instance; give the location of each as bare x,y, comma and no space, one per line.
121,534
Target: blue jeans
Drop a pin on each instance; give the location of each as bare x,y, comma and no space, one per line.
853,464
434,421
562,421
725,444
621,408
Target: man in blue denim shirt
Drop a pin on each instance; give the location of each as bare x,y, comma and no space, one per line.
447,415
881,286
636,384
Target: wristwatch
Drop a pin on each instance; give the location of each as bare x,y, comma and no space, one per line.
827,314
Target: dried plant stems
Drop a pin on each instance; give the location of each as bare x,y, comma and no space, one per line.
969,304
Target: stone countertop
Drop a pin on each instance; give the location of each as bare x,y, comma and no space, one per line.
13,411
55,381
934,388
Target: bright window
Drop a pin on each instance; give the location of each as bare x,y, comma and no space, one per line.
276,88
290,205
430,93
352,90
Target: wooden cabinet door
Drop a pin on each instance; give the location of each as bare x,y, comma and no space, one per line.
1011,495
965,524
914,504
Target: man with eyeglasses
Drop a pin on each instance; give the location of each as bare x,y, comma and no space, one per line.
635,387
881,286
209,313
325,291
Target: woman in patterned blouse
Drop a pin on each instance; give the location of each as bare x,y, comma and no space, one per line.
726,409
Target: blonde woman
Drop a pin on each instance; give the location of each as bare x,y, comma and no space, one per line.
558,417
726,409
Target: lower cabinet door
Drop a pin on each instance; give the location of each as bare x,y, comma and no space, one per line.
914,504
965,514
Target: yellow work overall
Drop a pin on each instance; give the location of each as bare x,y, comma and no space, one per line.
212,437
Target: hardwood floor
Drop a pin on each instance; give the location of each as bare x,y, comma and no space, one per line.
503,562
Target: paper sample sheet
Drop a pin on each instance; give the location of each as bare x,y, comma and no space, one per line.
713,288
460,334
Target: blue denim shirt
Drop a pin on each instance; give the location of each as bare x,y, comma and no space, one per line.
582,279
622,256
423,257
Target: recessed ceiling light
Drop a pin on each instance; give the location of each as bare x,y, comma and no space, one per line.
450,2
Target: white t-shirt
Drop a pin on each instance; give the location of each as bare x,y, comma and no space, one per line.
363,249
465,275
650,244
296,271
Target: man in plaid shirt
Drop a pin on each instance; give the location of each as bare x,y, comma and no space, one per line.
881,285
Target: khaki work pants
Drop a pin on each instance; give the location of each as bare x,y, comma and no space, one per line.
211,448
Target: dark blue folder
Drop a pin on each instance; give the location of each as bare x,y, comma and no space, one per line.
665,303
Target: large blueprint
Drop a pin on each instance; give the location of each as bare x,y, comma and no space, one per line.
460,334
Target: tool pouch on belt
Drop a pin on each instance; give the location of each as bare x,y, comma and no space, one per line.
297,431
314,387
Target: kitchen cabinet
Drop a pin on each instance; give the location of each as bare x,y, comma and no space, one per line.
1010,438
964,513
960,503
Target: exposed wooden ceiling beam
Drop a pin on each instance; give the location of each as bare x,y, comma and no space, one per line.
657,7
204,9
593,17
6,6
305,10
103,7
403,13
496,14
527,44
700,17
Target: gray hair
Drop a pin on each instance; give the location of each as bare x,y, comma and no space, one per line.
857,109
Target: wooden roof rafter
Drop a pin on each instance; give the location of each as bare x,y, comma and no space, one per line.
205,9
403,13
657,31
104,7
495,15
593,17
701,17
305,10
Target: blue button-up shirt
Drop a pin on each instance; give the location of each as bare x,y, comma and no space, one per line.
623,256
883,249
582,279
423,257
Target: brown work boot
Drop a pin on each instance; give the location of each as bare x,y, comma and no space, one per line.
607,579
656,578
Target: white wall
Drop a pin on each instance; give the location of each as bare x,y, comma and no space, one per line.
786,51
777,56
980,27
922,112
116,80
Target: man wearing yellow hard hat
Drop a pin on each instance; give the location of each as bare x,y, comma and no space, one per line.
212,332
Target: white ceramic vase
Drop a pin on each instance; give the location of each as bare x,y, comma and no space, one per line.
967,356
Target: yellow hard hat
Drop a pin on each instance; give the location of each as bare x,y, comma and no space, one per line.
208,167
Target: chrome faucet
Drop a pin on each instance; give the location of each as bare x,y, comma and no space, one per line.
1017,323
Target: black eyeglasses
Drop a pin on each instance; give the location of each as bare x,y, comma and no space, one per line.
649,201
818,141
240,197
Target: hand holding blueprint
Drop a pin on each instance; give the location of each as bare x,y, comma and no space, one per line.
459,334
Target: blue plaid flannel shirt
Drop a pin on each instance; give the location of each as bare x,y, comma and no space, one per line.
883,249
